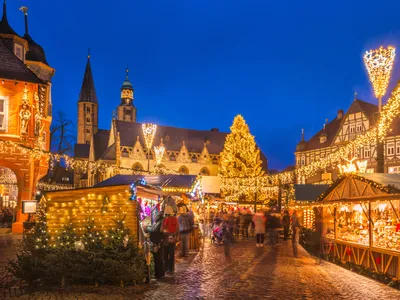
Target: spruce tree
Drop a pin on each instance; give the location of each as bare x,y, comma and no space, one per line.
240,161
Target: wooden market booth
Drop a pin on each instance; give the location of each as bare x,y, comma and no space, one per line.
101,204
358,219
113,199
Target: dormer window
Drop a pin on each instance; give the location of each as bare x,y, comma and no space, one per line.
322,139
19,51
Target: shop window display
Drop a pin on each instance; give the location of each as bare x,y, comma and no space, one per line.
328,229
352,223
386,224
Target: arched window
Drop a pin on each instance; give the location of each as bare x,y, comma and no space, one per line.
194,158
183,170
205,171
137,166
215,160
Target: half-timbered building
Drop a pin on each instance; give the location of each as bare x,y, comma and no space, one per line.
345,127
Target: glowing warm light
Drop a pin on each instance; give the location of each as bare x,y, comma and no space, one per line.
379,64
362,166
149,131
159,151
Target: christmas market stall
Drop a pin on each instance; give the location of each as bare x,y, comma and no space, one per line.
100,207
185,190
358,220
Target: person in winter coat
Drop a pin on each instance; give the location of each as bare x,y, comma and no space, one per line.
245,220
259,228
286,225
171,231
156,239
272,226
185,228
295,233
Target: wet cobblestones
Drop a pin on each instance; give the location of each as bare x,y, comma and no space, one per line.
249,273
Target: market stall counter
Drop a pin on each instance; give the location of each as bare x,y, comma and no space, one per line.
358,219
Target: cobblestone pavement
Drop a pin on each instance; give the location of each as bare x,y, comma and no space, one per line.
249,273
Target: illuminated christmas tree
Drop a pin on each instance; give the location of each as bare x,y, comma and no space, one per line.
240,161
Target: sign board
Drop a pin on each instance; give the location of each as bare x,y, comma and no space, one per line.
29,206
326,176
210,184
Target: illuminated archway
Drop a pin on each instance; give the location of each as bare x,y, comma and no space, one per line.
183,170
205,171
8,188
137,166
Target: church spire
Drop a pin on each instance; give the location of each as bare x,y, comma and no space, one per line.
88,91
4,26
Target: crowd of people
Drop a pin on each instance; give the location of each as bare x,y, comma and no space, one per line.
6,217
174,223
243,223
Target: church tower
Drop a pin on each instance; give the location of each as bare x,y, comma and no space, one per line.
87,107
126,111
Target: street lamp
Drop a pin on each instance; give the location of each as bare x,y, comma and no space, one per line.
379,64
149,131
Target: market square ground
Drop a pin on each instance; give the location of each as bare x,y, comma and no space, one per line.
249,273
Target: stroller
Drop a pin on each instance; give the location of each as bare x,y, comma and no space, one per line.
217,232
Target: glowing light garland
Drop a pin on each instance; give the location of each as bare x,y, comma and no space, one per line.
159,151
149,130
379,64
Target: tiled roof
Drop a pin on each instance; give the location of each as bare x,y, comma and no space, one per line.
183,181
57,174
12,68
361,106
100,142
82,151
88,91
333,126
110,153
173,137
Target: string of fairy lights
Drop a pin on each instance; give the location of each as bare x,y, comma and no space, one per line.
379,65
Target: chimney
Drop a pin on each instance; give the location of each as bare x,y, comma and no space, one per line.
340,114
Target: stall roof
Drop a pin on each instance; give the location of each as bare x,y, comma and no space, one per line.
309,192
384,179
184,181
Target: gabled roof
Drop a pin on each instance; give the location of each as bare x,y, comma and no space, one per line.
12,68
173,137
100,142
361,106
332,128
82,151
88,91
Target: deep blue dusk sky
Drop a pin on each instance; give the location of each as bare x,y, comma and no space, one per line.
283,65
